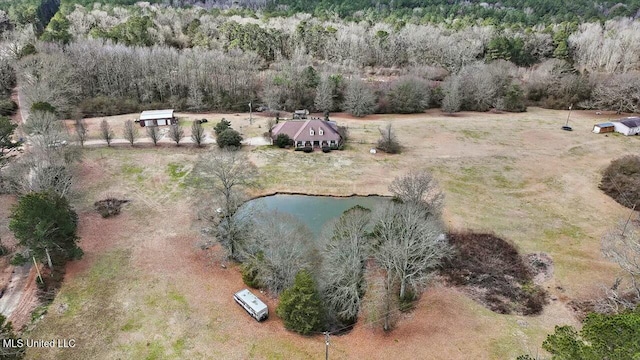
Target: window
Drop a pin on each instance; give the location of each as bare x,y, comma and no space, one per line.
311,132
321,131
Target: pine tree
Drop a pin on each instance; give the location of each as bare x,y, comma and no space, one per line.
300,307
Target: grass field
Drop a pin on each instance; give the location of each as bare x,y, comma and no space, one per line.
146,290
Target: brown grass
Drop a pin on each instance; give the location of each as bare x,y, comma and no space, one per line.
145,289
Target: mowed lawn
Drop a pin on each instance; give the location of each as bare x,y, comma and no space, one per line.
146,290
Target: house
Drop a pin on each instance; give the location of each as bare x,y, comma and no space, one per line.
628,126
310,133
300,114
603,128
157,118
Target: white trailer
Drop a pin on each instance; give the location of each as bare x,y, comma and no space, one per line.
254,306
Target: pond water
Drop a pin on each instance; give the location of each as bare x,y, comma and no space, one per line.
314,211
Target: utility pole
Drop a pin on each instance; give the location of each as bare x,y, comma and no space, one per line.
326,345
250,113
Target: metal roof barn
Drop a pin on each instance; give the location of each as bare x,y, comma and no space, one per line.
156,114
157,118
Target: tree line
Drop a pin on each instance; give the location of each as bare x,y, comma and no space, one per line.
127,59
529,12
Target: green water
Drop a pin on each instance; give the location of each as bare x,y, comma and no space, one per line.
314,211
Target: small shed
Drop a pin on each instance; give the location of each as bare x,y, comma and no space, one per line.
603,128
157,118
628,126
300,114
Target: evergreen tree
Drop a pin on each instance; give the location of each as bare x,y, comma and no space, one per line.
45,223
222,126
300,306
229,138
602,337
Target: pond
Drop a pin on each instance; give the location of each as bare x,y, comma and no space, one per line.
314,211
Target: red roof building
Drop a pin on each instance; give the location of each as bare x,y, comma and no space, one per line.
309,133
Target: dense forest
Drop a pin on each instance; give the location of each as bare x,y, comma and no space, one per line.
527,12
107,59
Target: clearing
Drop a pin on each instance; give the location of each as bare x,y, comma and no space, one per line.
146,289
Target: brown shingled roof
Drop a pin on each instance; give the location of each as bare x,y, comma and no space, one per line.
301,130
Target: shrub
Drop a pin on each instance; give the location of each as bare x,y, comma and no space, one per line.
283,140
307,149
388,141
513,100
222,126
18,260
408,95
408,301
109,207
43,106
107,106
8,107
229,138
300,306
249,275
621,181
326,149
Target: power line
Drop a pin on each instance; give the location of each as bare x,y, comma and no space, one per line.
328,333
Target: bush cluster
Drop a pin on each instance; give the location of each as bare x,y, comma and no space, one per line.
488,262
621,181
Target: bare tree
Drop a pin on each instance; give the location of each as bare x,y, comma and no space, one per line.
130,131
106,132
279,247
620,92
176,133
452,101
81,131
388,141
343,268
227,174
48,165
197,133
42,123
622,245
419,187
324,95
270,124
154,134
408,247
359,100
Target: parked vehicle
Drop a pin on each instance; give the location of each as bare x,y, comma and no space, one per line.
254,306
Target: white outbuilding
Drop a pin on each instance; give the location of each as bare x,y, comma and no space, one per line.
628,126
157,118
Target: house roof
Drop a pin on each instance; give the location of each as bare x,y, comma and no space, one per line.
604,125
156,114
301,130
631,122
